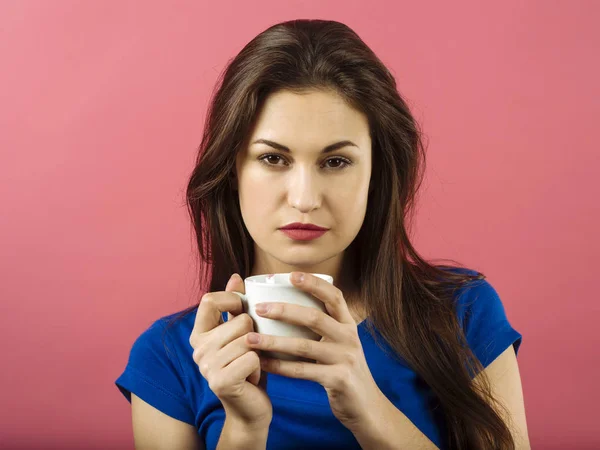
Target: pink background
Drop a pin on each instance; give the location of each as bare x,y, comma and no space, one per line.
102,109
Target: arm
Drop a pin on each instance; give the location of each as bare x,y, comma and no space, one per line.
389,428
239,436
154,430
505,382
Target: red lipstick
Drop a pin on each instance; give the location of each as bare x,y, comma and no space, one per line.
303,231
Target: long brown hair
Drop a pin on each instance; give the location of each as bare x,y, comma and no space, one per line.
410,301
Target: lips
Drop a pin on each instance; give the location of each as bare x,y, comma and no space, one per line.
303,235
303,226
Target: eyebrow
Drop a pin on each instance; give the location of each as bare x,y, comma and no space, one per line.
330,148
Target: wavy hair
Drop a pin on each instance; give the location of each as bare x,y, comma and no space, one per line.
410,301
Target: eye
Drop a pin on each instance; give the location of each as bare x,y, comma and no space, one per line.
341,163
272,160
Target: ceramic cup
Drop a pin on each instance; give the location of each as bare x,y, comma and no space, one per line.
277,287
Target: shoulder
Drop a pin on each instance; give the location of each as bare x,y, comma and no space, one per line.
478,299
170,334
483,318
158,367
164,342
169,327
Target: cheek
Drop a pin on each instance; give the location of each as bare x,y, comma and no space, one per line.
256,195
351,192
349,204
257,198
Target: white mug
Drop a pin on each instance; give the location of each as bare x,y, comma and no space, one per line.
270,288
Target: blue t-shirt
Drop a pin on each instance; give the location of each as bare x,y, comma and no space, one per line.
166,377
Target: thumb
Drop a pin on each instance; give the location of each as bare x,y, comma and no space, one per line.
236,284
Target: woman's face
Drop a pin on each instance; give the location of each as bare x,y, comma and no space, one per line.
304,185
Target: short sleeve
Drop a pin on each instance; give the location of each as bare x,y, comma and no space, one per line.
154,374
486,326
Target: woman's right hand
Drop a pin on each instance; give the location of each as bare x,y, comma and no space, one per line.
226,361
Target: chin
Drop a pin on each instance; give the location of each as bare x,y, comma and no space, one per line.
302,257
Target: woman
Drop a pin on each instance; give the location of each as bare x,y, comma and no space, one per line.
307,127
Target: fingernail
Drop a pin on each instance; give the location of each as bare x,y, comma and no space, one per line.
253,338
298,277
262,308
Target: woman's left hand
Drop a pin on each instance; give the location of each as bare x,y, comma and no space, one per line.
341,366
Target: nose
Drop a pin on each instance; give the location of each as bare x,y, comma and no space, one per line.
304,190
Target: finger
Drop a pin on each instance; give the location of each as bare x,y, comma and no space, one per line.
235,283
228,332
230,352
330,295
241,368
212,305
321,323
323,352
233,351
297,369
254,377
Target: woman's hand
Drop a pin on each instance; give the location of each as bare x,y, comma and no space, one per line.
341,366
227,362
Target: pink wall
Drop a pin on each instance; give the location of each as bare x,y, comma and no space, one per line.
102,108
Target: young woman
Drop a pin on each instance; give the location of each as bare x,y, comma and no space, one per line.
307,127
